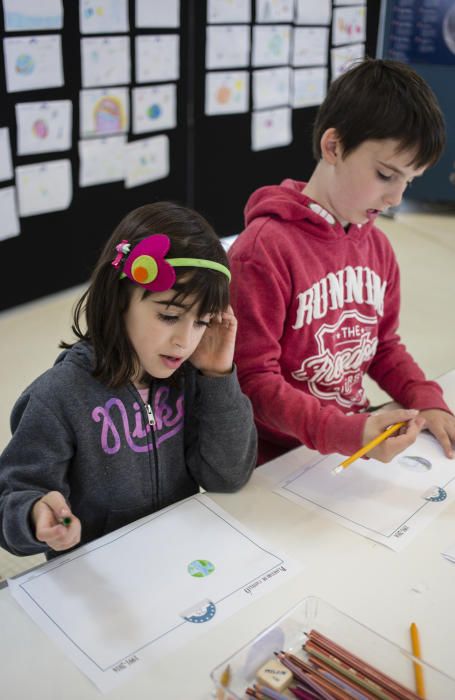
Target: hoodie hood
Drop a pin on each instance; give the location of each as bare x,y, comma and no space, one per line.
287,202
81,354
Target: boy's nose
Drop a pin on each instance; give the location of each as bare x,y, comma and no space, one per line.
394,196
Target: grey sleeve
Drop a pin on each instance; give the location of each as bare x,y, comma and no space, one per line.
220,435
34,462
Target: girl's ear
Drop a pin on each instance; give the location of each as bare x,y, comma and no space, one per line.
330,146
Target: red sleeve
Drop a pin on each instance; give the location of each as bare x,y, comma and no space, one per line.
393,368
261,291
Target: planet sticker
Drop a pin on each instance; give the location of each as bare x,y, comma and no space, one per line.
435,494
415,463
202,612
200,568
25,64
154,111
40,129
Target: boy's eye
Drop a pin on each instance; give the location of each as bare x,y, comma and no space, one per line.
384,177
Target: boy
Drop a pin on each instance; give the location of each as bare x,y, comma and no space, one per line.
316,284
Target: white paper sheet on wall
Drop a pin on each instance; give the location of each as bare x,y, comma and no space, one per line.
44,187
157,58
226,92
33,62
9,223
103,16
104,112
349,25
6,165
112,620
274,11
43,127
389,503
101,161
309,87
105,61
271,128
156,13
271,45
154,108
227,46
24,16
225,11
146,160
313,11
271,87
343,56
310,46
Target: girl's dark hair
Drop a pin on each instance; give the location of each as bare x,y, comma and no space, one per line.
380,99
104,303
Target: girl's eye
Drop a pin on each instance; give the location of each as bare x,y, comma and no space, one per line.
168,319
384,177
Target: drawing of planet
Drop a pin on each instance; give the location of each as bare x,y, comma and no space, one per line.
415,463
435,493
200,568
25,64
154,111
202,612
40,129
223,95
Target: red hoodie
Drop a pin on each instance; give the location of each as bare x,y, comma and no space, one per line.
317,307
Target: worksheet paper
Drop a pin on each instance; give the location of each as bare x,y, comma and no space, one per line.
146,160
271,128
271,45
105,61
154,108
343,56
227,46
33,62
313,11
310,46
103,111
449,553
6,165
101,160
226,92
309,87
9,223
103,16
349,25
389,503
276,11
219,11
44,187
271,87
112,619
23,15
157,13
157,58
43,127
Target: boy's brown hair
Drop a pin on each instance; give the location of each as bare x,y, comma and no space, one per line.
380,99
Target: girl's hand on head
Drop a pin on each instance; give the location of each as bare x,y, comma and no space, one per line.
48,514
442,425
214,355
397,442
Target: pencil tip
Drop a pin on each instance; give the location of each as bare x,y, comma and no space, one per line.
337,470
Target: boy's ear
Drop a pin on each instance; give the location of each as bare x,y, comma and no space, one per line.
330,146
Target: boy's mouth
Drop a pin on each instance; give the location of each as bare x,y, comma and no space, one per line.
372,213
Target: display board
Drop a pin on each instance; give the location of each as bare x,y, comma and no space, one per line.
110,104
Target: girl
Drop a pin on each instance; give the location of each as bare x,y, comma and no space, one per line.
145,407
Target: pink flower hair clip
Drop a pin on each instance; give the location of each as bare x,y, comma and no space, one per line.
146,265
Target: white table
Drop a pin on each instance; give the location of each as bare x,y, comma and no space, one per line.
383,589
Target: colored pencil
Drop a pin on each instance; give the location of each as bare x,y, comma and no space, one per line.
418,670
368,447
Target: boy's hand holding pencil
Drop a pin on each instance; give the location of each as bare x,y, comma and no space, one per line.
54,522
386,434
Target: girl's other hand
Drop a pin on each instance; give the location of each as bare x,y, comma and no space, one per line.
48,515
214,355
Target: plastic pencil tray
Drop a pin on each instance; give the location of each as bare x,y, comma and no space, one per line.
289,632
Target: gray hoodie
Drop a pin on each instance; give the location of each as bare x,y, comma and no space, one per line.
98,446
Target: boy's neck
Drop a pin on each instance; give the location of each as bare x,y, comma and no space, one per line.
315,190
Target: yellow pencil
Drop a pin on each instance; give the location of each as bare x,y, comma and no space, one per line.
418,670
369,446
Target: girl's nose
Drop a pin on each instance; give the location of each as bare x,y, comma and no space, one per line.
182,335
